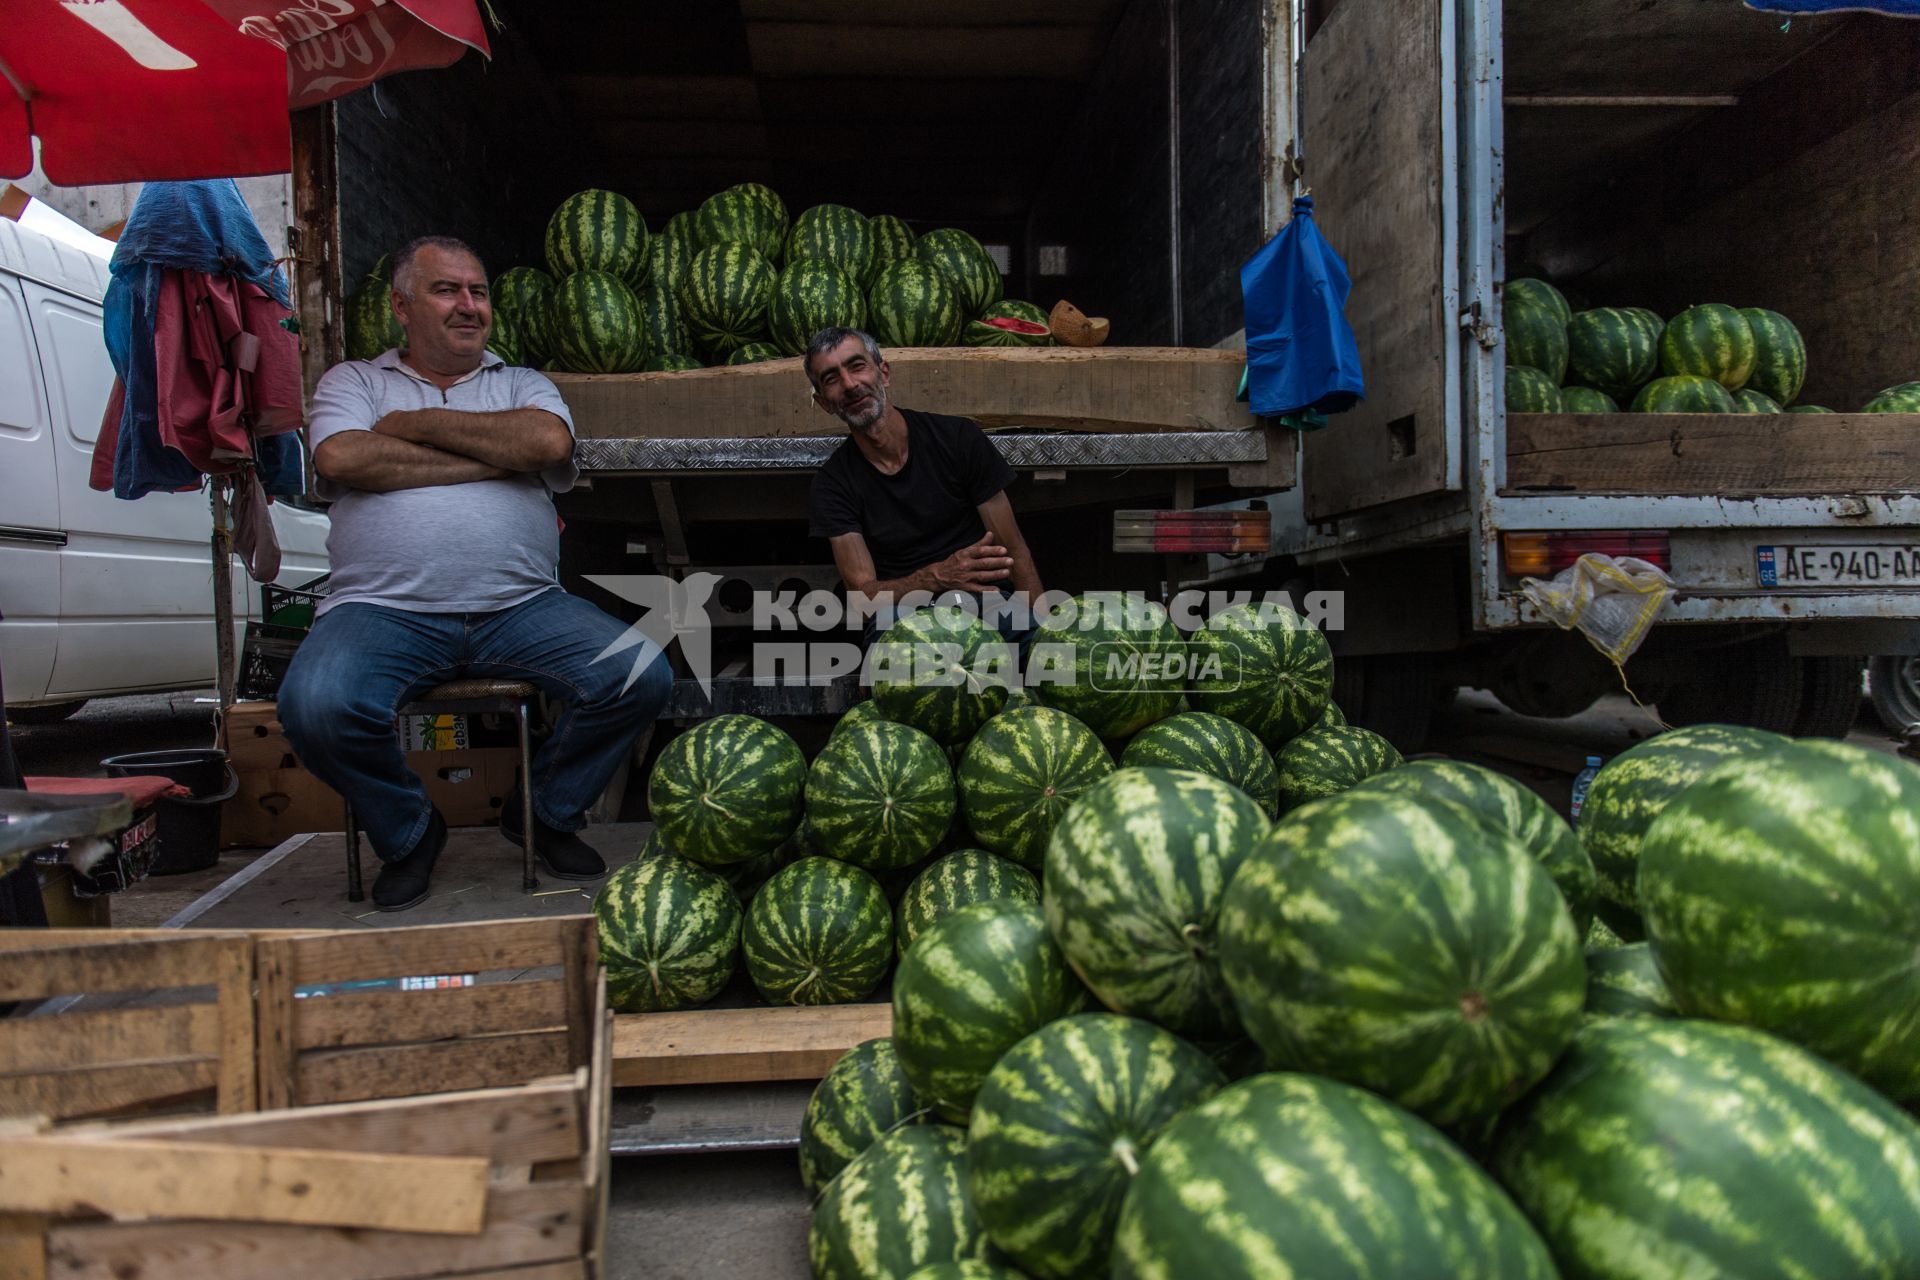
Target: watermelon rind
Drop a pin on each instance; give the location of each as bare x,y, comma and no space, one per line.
597,324
669,262
1778,891
1709,341
911,304
1019,775
1060,1127
959,879
1624,982
966,264
892,240
671,363
663,321
1531,391
1904,398
1683,393
1675,1149
669,934
729,288
1816,408
1324,762
527,293
943,671
880,796
597,230
1614,349
1015,309
1587,400
1213,745
967,1269
751,215
372,327
1289,1175
1134,878
728,789
818,932
1275,670
1108,659
1397,942
1006,332
901,1205
1780,355
863,1097
1747,400
833,234
1527,291
1537,338
755,353
810,296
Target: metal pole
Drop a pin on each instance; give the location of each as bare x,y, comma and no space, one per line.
226,664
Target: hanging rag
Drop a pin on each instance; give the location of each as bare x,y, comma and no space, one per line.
1301,354
1612,601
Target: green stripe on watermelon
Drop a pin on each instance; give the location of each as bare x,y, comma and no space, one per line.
371,325
1275,670
1683,393
663,321
943,671
1399,943
1107,659
1615,349
669,932
963,878
669,262
1676,1150
597,230
1813,408
597,326
1015,309
1537,338
1134,879
966,264
1904,398
1779,891
969,1269
1059,1129
901,1205
833,234
1531,391
503,338
974,985
673,363
811,296
1780,355
729,288
728,789
858,714
1529,292
880,796
1747,400
680,227
1291,1176
1710,341
1324,762
750,214
1586,400
818,932
527,293
863,1097
1624,982
1019,775
910,304
1006,331
1214,745
755,352
892,240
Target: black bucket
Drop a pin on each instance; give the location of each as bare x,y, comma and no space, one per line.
187,836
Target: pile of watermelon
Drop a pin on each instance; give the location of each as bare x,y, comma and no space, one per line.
736,282
1710,358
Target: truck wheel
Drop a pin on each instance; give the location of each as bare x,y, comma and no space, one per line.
1758,684
1895,682
1389,693
45,712
1829,697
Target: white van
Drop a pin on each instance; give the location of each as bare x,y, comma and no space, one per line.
98,596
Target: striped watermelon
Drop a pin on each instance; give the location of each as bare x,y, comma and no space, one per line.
1632,789
858,714
810,296
1747,400
663,321
1276,670
1398,943
1288,1175
960,879
680,227
1586,400
1537,339
728,789
1531,391
371,325
669,262
1214,745
750,214
833,234
754,353
1780,891
1616,349
1683,394
1006,331
673,362
1059,1129
1601,937
892,241
1108,662
729,288
669,932
1904,398
967,1269
527,294
863,1097
942,671
818,932
1679,1150
595,230
1527,292
1813,408
901,1205
880,796
1325,762
1511,808
597,326
1710,341
910,304
1332,718
1014,309
1780,355
503,338
1020,773
1134,878
966,264
1624,982
975,984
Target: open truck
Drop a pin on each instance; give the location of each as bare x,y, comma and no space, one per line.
1130,155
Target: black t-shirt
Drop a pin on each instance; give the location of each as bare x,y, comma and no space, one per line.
923,513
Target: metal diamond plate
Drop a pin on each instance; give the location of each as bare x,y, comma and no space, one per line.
1050,449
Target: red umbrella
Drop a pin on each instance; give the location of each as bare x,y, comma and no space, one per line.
140,90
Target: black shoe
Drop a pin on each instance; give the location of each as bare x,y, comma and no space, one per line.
563,853
402,883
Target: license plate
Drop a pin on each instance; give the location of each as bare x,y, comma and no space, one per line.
1884,565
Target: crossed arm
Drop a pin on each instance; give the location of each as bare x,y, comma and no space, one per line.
999,556
419,448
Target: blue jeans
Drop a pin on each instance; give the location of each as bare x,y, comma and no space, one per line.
362,662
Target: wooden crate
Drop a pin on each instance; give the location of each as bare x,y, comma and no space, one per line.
402,1133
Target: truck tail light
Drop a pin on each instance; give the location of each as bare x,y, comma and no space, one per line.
1193,532
1541,555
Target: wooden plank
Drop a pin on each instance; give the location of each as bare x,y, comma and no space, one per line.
1370,125
1119,389
23,1246
319,297
402,1017
344,1075
273,1027
584,990
157,1179
722,1046
571,1269
597,1170
528,1223
102,965
477,947
1719,454
111,1036
239,1072
98,1091
522,1125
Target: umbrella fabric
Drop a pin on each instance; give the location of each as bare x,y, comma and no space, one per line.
1300,349
144,90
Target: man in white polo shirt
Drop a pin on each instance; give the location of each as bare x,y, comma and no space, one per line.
441,460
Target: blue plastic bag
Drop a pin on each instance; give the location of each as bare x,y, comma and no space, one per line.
1300,348
1897,8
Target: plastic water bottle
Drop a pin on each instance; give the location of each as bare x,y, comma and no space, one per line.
1581,782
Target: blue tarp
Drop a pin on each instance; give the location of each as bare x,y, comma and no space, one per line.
1897,8
188,226
1300,348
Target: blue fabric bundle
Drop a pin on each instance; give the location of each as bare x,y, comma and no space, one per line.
1300,349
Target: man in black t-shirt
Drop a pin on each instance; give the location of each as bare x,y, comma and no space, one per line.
913,501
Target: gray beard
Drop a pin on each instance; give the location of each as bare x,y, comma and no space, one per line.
875,411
